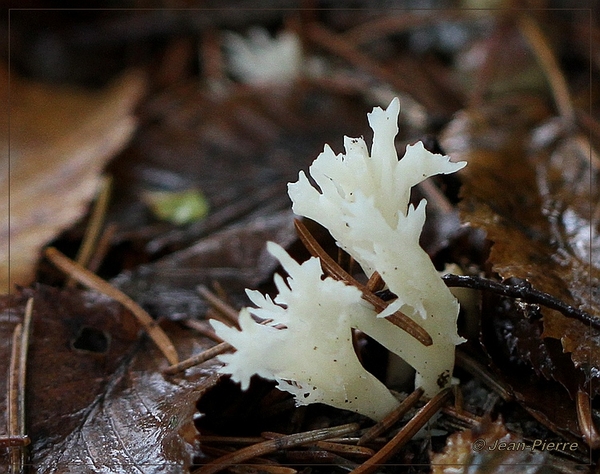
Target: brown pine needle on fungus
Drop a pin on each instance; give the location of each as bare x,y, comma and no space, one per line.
335,271
92,281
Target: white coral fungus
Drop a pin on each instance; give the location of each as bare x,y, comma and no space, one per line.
260,59
312,357
364,203
363,199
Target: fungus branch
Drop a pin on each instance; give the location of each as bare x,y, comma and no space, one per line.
363,200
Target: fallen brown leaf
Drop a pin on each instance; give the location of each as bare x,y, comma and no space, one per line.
60,139
491,448
96,398
530,188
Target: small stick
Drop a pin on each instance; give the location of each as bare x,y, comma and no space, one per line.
16,390
330,446
198,358
435,197
586,421
322,457
391,419
558,84
21,380
375,282
405,434
257,466
262,469
337,44
93,228
102,247
228,440
335,271
466,419
230,313
477,370
522,291
14,418
272,445
204,356
13,383
532,32
347,449
90,280
202,328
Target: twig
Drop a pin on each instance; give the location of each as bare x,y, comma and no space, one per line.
198,358
523,291
378,28
335,271
203,328
14,418
90,280
204,356
472,366
313,456
22,372
463,418
102,247
435,197
545,57
405,434
375,282
93,228
391,419
337,44
586,421
558,83
16,391
330,446
257,466
269,446
230,313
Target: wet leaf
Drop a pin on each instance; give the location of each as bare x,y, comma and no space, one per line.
236,258
96,399
491,448
529,186
60,139
240,148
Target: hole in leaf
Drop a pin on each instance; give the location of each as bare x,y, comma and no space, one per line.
91,340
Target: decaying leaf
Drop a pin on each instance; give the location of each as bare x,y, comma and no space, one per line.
236,258
491,448
529,185
96,398
60,140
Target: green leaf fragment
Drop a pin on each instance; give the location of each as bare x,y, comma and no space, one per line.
179,207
